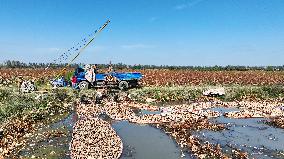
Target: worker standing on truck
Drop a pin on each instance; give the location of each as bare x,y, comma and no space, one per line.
110,77
95,68
90,74
95,71
110,69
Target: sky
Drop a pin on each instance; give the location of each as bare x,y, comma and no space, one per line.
155,32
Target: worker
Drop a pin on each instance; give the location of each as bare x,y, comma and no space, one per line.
95,71
95,68
74,82
91,74
110,77
19,82
110,69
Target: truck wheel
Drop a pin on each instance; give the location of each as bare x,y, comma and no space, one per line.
123,85
83,85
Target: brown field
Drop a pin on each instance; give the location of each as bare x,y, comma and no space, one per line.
163,77
187,77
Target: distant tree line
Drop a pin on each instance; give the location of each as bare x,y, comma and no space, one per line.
18,64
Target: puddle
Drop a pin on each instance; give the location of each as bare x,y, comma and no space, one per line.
145,112
223,110
145,141
51,141
251,135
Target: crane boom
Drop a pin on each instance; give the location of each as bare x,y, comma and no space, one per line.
83,48
90,41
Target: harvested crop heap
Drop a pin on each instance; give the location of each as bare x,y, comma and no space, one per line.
180,114
255,109
278,122
180,132
95,138
10,135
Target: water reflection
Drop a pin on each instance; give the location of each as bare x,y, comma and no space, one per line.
144,141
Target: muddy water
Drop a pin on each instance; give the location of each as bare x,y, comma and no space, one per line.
144,141
144,112
250,135
50,141
68,122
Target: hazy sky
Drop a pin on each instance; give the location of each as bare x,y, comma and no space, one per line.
172,32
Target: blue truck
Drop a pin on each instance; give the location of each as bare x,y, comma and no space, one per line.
119,80
59,82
